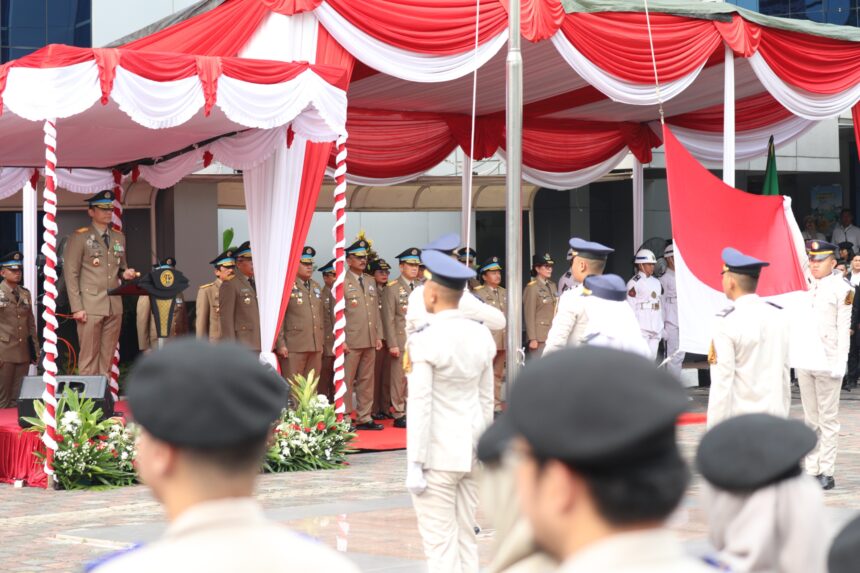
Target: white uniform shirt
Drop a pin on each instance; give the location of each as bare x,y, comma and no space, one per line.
648,551
644,296
569,324
471,306
751,373
851,233
227,536
612,324
670,297
832,299
450,391
566,283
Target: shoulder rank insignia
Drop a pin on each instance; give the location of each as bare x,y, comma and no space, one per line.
636,277
392,283
407,362
207,285
726,311
531,282
82,230
849,297
712,354
773,304
479,287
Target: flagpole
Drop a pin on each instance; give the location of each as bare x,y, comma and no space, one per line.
513,215
729,119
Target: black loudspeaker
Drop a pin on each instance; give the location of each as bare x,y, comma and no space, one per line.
95,388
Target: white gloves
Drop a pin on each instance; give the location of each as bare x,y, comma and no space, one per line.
415,482
838,371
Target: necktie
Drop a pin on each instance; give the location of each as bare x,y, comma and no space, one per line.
106,239
253,283
361,282
308,285
411,287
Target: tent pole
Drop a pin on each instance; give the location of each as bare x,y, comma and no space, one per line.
30,214
513,219
638,204
729,119
465,196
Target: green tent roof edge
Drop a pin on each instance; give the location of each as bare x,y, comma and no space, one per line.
714,11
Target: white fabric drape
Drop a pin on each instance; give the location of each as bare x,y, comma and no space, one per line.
271,196
615,88
801,102
158,105
572,179
13,179
708,146
400,63
38,93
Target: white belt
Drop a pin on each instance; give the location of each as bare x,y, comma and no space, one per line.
648,306
671,298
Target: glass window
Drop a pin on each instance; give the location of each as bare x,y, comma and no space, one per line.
27,25
775,7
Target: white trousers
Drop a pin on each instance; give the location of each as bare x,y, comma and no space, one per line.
446,519
672,343
653,341
819,394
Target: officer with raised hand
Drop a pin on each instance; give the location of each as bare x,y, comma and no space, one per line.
568,326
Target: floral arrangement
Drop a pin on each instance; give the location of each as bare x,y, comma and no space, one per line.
91,452
308,437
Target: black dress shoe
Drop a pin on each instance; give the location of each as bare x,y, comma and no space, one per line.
378,416
369,426
400,422
827,482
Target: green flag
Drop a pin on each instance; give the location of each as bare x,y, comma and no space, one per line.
771,180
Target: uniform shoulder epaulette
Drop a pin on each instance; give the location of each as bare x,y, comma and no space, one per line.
636,277
23,288
589,337
531,282
726,311
392,283
773,304
849,297
207,285
479,287
82,230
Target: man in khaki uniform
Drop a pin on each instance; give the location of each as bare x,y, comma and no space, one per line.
300,340
94,261
240,315
208,322
395,302
19,344
380,270
832,299
326,384
147,333
493,294
362,335
539,302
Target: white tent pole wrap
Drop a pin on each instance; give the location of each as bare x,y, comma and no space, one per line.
638,204
30,214
339,211
466,199
513,223
729,119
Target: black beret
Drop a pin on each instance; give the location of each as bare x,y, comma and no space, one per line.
493,442
567,406
200,395
751,451
844,553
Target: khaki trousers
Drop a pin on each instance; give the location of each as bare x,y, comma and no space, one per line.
97,338
499,378
326,385
819,394
381,377
359,377
446,520
11,377
398,387
300,363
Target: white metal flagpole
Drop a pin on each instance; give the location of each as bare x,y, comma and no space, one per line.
729,119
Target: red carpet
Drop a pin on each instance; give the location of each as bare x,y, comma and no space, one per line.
390,438
690,418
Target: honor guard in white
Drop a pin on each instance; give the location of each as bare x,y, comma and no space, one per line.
832,299
204,468
598,482
670,313
568,326
471,306
449,365
566,282
610,320
764,513
749,348
644,293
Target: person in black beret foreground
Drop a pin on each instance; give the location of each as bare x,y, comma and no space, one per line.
764,512
844,553
597,476
200,453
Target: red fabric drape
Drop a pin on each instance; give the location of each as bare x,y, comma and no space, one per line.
750,113
17,461
223,31
618,43
741,36
290,7
539,19
439,27
562,102
818,65
855,116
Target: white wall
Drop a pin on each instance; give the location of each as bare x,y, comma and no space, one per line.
113,19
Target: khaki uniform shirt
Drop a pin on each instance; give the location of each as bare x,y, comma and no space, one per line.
328,321
362,311
17,326
832,299
648,551
240,315
497,298
208,322
395,302
147,332
228,536
380,326
539,303
302,327
92,269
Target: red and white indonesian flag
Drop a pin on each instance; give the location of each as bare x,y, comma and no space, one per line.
707,216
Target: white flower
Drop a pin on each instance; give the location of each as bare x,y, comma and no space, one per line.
124,456
322,400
